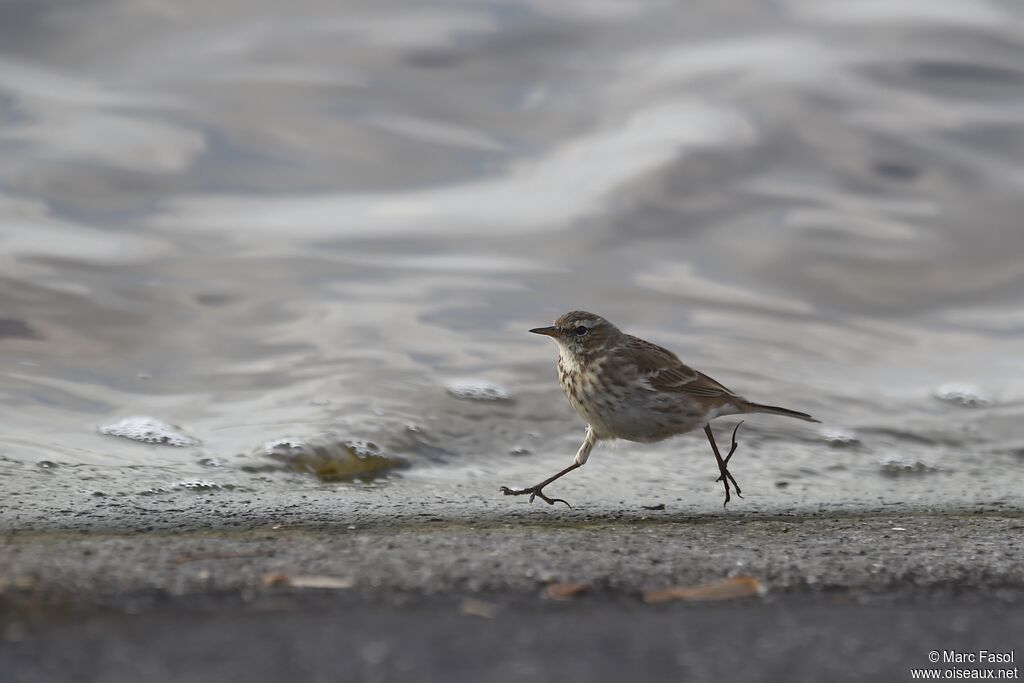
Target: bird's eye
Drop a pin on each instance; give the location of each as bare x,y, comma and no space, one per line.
580,330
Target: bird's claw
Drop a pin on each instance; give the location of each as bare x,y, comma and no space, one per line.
535,492
725,503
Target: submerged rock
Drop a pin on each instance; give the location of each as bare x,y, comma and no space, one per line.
148,430
331,459
965,395
895,466
477,390
839,437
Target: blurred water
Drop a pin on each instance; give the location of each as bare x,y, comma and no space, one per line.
256,223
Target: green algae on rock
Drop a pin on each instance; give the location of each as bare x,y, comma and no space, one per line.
331,459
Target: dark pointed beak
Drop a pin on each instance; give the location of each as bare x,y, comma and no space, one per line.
548,331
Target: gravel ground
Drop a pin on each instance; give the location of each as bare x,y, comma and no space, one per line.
876,553
457,590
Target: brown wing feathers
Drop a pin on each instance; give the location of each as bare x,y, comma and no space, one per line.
666,372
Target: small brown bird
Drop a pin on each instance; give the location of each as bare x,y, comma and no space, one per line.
628,388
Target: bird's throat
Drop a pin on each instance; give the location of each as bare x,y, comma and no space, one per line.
571,361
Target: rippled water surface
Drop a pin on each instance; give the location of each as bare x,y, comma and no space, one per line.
318,223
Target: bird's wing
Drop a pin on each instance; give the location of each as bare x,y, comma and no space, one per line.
665,372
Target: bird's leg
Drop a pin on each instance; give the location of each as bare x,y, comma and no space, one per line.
732,449
726,476
538,490
721,463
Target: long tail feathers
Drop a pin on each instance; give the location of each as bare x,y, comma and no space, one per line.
776,410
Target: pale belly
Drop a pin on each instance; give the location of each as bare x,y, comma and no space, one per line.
634,415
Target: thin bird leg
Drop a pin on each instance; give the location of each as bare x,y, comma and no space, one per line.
537,491
721,463
732,449
726,476
728,473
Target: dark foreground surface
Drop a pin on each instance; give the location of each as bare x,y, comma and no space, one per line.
854,596
793,639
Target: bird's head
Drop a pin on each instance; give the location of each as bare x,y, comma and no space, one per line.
580,333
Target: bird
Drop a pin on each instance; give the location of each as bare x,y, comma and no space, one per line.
628,388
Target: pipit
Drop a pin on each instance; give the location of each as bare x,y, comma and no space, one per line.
628,388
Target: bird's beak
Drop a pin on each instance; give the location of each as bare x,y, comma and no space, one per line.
547,331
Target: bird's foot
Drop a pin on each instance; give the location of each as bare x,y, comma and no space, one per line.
727,474
535,492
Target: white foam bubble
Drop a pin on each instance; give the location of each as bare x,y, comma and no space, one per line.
197,485
966,395
896,465
477,390
286,444
839,436
148,430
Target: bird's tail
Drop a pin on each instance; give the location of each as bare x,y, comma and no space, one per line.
776,410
